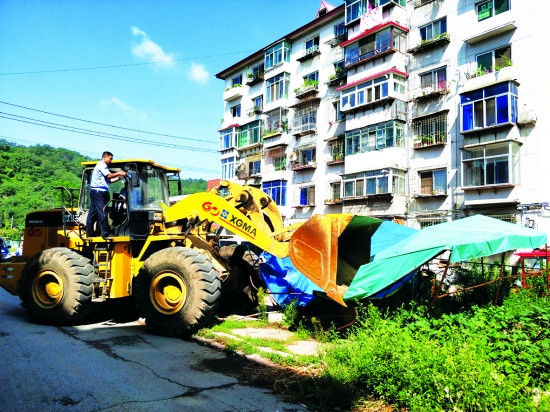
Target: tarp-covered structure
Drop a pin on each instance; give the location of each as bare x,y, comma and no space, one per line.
286,283
469,238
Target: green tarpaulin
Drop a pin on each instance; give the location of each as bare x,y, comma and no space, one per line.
469,238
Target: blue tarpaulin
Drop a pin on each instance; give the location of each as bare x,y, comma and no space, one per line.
285,281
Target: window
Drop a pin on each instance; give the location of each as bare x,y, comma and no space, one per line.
375,137
335,189
494,59
374,182
237,81
277,87
490,106
258,70
276,159
336,149
339,29
433,30
258,102
306,156
433,182
311,78
236,111
249,134
354,9
227,138
276,190
312,44
307,196
434,80
338,114
430,130
305,119
490,8
254,167
370,46
277,55
370,91
491,165
228,168
276,121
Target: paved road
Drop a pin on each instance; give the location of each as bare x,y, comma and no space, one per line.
116,367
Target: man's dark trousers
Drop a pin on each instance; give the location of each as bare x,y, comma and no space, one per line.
98,200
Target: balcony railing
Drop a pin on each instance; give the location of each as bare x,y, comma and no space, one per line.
429,140
333,201
254,78
420,3
301,127
233,93
306,90
254,111
433,89
303,165
336,158
337,79
309,53
336,40
246,141
437,41
397,43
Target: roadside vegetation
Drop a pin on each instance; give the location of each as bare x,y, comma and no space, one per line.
466,354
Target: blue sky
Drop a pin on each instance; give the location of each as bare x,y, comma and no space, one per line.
179,95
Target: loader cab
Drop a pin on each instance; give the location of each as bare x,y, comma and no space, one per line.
135,199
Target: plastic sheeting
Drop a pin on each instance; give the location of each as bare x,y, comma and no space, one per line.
469,238
285,282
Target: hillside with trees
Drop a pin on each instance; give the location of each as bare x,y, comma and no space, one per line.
29,175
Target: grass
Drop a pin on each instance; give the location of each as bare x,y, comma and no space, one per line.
467,355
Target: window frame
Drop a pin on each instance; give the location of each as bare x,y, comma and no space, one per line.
475,97
435,189
228,168
374,137
441,21
277,55
235,110
491,160
276,189
383,181
281,92
237,80
307,195
493,11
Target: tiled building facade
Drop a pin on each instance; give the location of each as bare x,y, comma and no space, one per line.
416,111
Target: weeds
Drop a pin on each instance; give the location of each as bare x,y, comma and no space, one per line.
262,308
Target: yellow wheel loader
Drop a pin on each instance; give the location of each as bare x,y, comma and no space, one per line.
170,258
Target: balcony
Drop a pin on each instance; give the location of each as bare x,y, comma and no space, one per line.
337,79
254,78
302,165
333,201
275,129
425,45
336,40
301,129
254,111
307,90
431,140
432,194
483,78
248,142
420,3
431,90
336,159
233,93
310,53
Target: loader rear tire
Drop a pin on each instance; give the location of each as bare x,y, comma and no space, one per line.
177,291
56,286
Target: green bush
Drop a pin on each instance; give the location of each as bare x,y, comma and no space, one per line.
492,358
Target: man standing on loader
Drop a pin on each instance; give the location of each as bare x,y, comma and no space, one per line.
99,195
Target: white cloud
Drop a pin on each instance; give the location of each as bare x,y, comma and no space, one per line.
198,73
148,50
126,108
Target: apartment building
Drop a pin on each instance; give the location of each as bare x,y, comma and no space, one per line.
415,111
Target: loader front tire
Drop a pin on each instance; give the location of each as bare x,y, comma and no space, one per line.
56,286
177,291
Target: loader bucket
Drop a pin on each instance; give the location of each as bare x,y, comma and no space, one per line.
329,249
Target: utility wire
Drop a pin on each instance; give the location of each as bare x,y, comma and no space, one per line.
105,124
114,66
59,126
